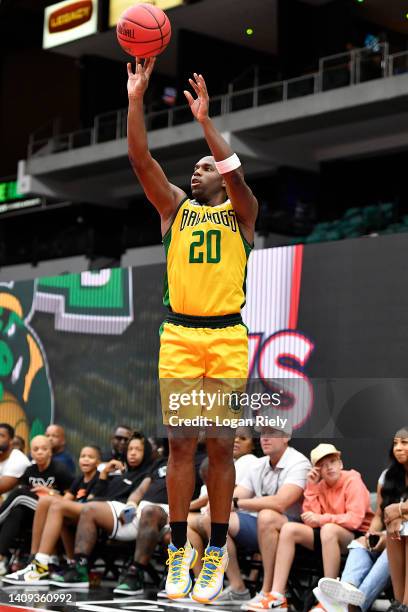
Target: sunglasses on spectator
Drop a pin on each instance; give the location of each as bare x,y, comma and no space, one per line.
120,438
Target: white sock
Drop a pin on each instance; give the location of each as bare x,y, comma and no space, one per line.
277,594
42,558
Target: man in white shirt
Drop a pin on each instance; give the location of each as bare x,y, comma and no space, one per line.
267,497
13,462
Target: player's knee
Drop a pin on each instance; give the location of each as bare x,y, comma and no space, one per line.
181,450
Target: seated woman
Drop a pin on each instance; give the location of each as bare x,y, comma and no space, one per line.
116,482
52,509
335,510
45,477
395,504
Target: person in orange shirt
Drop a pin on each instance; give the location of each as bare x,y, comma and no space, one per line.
336,509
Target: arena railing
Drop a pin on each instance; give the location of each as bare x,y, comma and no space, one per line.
341,70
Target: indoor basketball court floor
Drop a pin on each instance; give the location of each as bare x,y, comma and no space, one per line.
100,599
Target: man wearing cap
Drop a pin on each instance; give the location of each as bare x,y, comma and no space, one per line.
336,509
267,497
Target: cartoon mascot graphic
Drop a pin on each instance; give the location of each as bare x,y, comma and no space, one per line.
26,398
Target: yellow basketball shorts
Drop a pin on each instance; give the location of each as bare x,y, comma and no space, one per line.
202,370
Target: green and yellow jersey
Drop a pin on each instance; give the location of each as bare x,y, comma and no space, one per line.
207,258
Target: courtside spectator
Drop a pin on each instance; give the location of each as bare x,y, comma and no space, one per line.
269,495
366,573
45,476
49,525
336,509
56,435
395,505
13,462
150,505
115,491
119,443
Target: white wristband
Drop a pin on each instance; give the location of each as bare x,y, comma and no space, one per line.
228,165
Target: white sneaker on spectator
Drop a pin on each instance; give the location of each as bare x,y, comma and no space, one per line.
270,601
255,599
341,591
34,574
326,603
233,598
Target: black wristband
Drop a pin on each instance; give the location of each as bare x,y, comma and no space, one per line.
235,503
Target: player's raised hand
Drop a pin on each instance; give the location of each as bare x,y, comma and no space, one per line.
139,79
200,105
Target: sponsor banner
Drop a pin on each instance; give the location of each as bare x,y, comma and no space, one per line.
69,20
116,7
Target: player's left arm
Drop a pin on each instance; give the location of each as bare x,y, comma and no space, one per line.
242,199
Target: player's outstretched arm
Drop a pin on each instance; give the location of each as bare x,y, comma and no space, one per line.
241,196
161,193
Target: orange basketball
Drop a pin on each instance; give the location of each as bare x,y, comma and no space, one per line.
143,30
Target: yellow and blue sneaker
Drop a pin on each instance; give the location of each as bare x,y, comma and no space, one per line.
180,561
210,581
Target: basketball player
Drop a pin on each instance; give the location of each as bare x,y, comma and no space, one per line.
207,240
